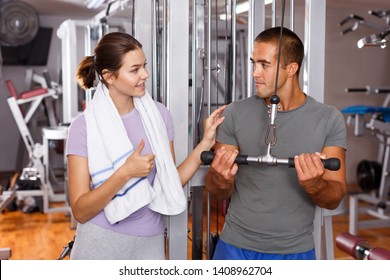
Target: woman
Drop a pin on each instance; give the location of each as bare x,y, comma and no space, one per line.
117,142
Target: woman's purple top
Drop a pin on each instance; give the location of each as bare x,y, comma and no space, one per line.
143,222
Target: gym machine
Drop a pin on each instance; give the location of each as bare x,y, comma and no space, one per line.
360,248
186,62
323,224
315,19
37,174
377,39
372,176
34,180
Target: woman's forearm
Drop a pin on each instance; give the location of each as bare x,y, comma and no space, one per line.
89,204
190,165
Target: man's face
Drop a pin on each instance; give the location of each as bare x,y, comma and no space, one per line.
264,60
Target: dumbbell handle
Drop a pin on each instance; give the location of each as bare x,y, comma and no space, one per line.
352,245
379,254
208,156
360,248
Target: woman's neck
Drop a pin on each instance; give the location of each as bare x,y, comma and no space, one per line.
124,104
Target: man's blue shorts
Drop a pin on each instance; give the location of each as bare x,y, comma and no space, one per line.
225,251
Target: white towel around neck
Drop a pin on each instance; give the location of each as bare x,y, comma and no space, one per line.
109,147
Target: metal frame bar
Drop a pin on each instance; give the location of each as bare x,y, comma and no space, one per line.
143,14
177,85
273,13
292,15
314,68
68,35
256,24
208,56
234,49
155,71
197,56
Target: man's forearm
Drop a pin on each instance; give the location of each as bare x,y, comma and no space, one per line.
329,194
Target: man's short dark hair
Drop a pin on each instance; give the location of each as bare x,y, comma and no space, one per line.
292,46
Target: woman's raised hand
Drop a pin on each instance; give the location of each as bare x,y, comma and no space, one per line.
211,124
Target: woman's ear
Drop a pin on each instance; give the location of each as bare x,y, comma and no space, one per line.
108,76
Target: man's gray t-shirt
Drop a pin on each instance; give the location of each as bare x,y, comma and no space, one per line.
269,211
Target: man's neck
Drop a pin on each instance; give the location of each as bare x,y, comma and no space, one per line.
290,101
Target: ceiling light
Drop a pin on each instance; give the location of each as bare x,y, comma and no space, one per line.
93,4
242,8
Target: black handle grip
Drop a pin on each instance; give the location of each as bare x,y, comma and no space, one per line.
377,14
344,21
382,90
345,31
207,157
330,163
357,17
356,89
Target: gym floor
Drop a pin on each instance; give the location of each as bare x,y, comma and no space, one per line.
38,236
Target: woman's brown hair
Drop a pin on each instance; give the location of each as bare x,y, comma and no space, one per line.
108,55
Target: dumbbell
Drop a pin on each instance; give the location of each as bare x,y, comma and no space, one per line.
359,248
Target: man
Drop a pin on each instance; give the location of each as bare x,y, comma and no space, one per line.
271,210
